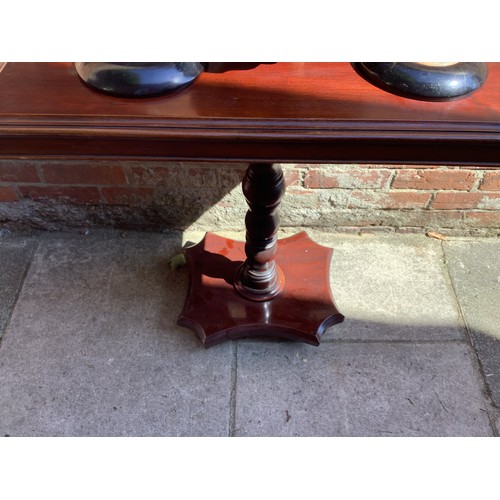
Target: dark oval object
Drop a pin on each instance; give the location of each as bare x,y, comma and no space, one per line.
130,79
425,81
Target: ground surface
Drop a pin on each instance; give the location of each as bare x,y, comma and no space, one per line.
90,345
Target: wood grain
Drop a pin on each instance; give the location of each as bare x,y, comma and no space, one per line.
301,312
283,112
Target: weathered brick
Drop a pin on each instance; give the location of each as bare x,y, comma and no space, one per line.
139,196
323,216
292,177
230,178
18,171
333,196
491,182
199,176
365,165
7,193
489,201
427,218
150,176
466,201
412,167
72,173
434,179
71,194
350,178
453,201
388,199
482,219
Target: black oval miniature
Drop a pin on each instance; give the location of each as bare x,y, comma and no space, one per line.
425,81
132,79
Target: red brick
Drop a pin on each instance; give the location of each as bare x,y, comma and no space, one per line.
150,176
186,176
14,171
399,167
197,177
490,201
429,218
371,166
447,201
491,182
434,179
292,177
7,193
233,176
348,179
482,219
128,196
85,173
77,195
387,199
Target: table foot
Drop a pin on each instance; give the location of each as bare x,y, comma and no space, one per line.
302,311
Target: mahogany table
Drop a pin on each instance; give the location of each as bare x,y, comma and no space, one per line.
276,113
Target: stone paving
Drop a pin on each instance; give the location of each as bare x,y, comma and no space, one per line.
90,347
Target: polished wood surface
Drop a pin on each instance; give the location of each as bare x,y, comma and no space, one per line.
301,312
297,112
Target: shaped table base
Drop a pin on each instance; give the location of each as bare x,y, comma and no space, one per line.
302,311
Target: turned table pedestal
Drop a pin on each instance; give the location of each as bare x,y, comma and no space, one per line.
263,287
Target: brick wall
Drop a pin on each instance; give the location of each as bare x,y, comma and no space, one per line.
64,194
405,198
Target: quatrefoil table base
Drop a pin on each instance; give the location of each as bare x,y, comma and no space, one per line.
302,311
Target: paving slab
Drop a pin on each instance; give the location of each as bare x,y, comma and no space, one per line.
92,348
15,257
358,389
475,271
391,288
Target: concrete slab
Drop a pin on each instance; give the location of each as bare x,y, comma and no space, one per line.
475,270
15,257
358,389
391,288
92,348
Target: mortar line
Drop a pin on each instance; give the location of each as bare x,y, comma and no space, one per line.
232,399
20,288
39,171
470,343
477,183
390,180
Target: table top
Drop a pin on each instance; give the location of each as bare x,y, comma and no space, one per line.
282,112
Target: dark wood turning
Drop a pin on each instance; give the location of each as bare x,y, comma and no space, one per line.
259,278
301,312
